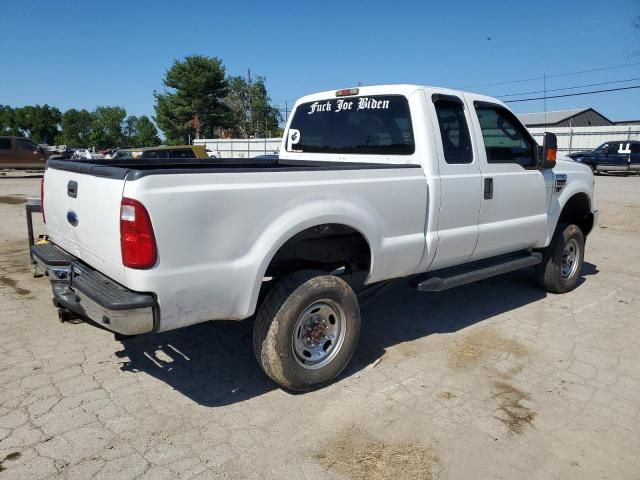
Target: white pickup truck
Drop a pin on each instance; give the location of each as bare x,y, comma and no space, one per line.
443,186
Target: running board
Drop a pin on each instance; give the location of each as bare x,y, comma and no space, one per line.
446,278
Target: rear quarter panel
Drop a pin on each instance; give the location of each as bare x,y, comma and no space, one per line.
216,233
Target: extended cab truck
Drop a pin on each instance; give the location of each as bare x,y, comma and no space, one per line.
444,186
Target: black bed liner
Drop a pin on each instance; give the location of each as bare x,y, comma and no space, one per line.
135,169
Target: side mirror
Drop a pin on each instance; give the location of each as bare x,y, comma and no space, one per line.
549,151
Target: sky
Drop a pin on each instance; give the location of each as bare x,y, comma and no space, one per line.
84,54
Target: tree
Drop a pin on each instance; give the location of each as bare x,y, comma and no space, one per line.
40,123
251,109
130,129
75,128
106,127
146,133
7,122
193,100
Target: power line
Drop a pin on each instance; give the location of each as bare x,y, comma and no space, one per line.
557,75
568,88
572,94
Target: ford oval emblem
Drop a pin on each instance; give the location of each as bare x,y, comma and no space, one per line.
72,218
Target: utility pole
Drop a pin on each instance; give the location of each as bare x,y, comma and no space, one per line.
249,98
544,80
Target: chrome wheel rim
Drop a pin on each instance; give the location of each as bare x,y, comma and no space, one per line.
318,334
570,256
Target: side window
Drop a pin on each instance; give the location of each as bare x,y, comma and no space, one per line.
5,144
613,148
27,146
454,131
155,154
182,153
505,139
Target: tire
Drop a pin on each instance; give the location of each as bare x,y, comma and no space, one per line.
562,260
294,323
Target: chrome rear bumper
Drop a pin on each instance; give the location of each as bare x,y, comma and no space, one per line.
89,294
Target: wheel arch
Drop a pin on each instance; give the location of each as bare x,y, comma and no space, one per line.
577,210
294,231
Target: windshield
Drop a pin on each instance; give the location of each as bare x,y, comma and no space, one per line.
601,148
379,124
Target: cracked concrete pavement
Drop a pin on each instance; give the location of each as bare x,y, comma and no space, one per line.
492,380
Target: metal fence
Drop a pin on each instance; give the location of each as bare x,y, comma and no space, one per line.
572,139
240,147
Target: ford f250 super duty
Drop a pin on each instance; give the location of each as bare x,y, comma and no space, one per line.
442,186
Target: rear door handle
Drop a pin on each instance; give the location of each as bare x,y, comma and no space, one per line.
488,188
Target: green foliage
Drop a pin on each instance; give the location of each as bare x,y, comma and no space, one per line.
198,101
37,122
75,128
145,133
193,101
7,122
106,127
251,109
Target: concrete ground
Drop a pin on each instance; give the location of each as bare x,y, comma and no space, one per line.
496,380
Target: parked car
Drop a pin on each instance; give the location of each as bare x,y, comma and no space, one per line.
181,152
62,155
377,182
21,153
617,156
82,154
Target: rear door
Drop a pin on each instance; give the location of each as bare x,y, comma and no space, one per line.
82,214
515,197
460,183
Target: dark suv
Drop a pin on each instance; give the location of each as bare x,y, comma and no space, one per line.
618,156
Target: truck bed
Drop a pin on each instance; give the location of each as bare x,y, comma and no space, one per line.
132,170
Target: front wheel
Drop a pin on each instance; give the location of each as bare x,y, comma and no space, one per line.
562,260
306,330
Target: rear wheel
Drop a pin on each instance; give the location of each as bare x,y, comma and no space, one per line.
562,260
306,330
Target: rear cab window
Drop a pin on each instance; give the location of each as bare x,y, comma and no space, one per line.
5,144
374,124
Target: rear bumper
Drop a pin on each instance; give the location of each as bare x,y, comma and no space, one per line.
88,293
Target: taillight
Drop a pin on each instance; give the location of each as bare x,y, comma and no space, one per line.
137,242
44,220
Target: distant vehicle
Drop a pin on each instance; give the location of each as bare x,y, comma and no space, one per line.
267,156
20,152
212,154
62,155
618,156
82,154
181,152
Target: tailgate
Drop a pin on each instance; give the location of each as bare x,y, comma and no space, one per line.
82,213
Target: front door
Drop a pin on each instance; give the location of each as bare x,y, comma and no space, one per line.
515,197
459,182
